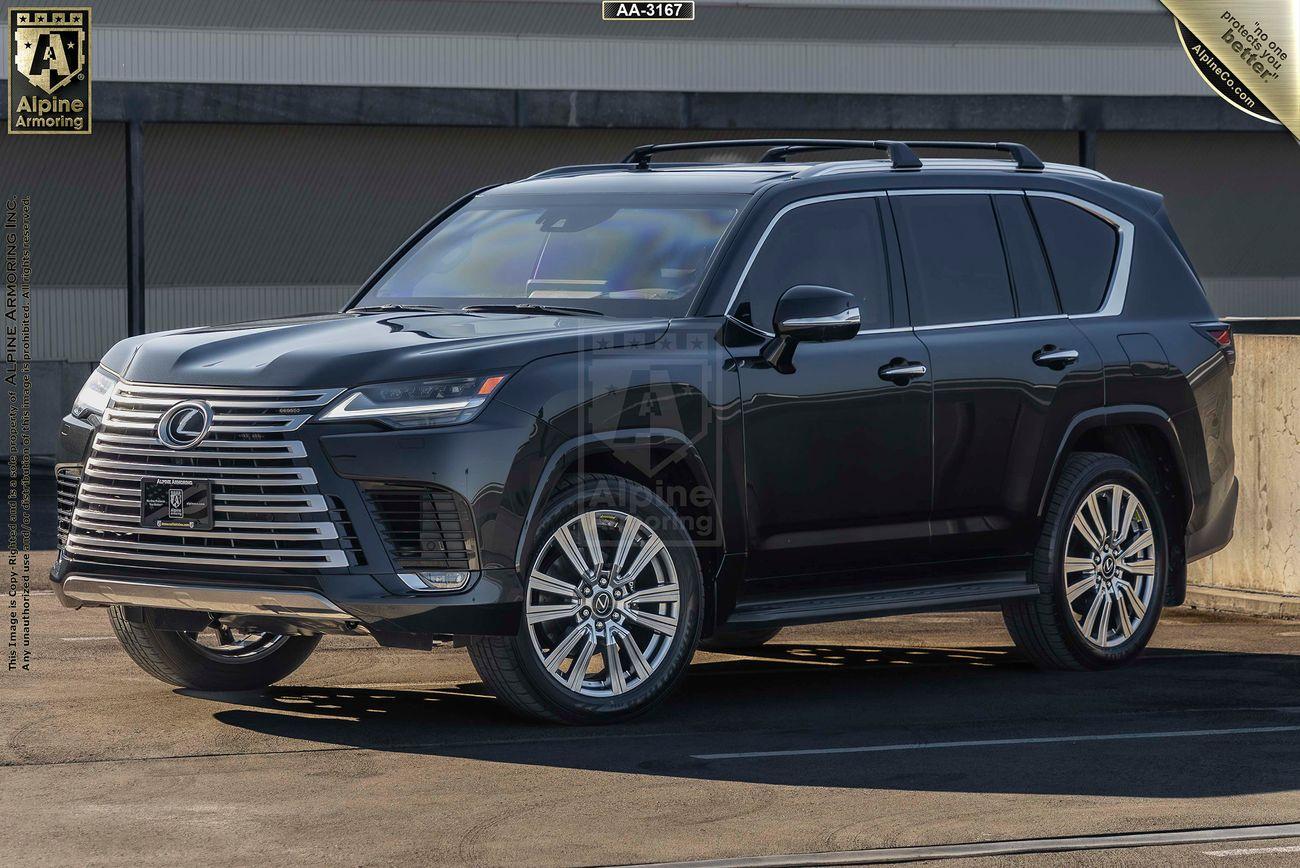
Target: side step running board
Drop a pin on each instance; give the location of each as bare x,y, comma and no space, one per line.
965,594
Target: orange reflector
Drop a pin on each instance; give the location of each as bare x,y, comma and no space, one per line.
489,385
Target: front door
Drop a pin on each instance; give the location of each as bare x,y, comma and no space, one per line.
837,453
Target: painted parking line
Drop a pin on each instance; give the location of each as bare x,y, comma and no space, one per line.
998,742
1253,851
86,638
927,853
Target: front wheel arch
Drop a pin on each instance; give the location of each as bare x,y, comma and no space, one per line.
663,460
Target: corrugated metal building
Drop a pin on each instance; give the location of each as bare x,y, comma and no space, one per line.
288,146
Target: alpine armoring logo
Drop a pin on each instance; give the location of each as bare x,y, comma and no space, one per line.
49,70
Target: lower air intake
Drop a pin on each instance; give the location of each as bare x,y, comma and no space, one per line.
424,527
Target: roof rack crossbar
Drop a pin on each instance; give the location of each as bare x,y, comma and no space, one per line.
1024,157
899,153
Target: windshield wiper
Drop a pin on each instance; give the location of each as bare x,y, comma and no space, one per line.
381,308
531,308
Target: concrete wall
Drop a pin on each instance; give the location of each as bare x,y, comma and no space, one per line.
1259,571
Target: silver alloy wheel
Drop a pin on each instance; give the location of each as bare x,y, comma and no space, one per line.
1110,565
602,603
230,645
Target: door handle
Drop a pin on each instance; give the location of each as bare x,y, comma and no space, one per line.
900,372
1052,357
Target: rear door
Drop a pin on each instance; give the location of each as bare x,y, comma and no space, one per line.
1010,370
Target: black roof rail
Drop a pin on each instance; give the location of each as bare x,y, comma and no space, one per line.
899,153
1025,158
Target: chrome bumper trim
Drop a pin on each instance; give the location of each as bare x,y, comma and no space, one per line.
204,598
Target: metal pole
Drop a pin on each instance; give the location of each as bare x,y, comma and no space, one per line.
1088,148
134,229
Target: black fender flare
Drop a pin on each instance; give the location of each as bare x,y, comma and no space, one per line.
1114,416
608,441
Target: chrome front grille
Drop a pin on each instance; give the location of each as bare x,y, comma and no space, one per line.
266,508
66,479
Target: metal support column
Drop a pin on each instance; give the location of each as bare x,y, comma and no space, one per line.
1088,148
134,229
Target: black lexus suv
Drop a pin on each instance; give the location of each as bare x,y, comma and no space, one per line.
589,421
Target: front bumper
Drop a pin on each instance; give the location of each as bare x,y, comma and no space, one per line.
472,461
491,605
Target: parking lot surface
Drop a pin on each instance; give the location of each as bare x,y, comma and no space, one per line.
897,732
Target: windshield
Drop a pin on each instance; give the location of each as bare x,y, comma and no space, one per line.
622,255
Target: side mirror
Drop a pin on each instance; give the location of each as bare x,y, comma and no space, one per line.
809,313
816,313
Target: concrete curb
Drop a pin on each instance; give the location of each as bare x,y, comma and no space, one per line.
1241,602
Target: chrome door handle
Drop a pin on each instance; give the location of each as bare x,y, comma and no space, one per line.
900,372
1051,357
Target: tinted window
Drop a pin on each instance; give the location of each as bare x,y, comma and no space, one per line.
952,258
1030,278
836,244
1081,249
615,254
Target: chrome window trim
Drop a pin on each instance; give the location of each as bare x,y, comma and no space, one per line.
1112,304
988,322
1117,291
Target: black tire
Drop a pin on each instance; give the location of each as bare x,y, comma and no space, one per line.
1044,628
510,666
738,640
171,657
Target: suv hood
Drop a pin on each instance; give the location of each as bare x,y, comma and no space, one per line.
335,350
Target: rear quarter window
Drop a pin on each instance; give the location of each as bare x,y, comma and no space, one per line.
1080,249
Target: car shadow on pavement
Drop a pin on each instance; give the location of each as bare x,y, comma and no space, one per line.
958,720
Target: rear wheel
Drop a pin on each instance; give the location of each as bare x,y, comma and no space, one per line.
218,658
1101,566
612,608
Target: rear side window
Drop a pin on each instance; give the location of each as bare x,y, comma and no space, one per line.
952,258
1029,275
1081,249
836,244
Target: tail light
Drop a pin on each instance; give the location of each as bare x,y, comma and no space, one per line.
1220,334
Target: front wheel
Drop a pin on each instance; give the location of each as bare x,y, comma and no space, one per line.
1101,566
611,609
215,659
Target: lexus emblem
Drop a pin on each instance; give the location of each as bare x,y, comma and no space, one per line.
185,424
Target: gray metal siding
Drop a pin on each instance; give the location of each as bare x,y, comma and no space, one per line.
440,60
765,17
250,221
1231,197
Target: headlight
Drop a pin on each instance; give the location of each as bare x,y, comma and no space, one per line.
415,403
93,397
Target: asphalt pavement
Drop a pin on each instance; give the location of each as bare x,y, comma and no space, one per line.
904,732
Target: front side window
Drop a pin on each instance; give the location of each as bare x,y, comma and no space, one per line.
952,259
836,244
1081,249
616,255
